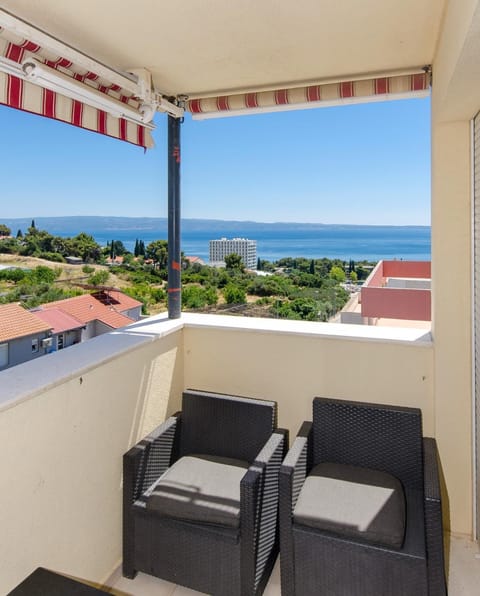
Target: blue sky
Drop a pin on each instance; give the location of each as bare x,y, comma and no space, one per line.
360,164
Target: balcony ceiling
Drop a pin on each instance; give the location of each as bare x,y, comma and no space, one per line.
210,47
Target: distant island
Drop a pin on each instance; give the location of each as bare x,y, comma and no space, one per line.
98,223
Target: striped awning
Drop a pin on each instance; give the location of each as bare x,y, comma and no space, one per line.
415,84
22,94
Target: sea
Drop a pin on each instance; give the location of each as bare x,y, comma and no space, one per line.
274,240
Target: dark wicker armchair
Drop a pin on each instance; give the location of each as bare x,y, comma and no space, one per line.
201,496
360,506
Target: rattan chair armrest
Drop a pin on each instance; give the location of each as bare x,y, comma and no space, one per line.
433,519
431,470
293,472
140,467
296,462
278,440
139,471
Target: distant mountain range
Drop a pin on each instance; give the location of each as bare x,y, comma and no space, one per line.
72,225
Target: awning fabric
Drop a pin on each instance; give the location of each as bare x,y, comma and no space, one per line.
357,91
27,96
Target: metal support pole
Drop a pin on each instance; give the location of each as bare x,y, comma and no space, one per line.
174,259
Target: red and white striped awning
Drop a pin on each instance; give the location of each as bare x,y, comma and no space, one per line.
30,97
382,88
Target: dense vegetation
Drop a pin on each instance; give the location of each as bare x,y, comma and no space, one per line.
293,288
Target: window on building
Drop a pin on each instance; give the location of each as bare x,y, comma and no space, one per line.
3,355
60,341
34,345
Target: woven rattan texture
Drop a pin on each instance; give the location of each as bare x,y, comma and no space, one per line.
216,424
379,437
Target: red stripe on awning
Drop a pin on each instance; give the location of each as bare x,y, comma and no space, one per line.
102,121
251,100
60,62
346,89
49,103
14,91
418,82
381,86
141,136
30,46
77,113
195,106
123,128
281,97
14,52
222,103
313,93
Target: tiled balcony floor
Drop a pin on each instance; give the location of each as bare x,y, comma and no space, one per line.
464,577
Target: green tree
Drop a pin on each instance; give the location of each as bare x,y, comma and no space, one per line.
354,277
234,262
42,274
99,278
312,267
9,246
234,294
337,273
84,246
19,234
157,251
5,230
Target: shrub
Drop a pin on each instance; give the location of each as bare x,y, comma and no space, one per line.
234,295
99,278
56,257
194,296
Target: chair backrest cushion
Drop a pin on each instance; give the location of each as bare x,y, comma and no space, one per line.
225,425
387,438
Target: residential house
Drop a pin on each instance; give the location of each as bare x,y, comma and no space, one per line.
66,329
395,293
95,316
121,302
23,336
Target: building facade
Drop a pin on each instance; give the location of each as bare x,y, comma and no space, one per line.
23,336
243,247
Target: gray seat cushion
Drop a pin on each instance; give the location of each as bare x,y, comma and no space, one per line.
353,502
200,488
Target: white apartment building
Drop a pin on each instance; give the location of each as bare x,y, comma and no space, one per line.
244,247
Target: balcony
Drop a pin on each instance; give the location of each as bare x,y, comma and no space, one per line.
67,419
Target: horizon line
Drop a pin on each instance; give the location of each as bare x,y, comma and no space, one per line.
236,221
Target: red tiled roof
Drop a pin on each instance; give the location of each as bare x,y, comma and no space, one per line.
117,259
16,321
194,259
123,301
86,309
59,320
